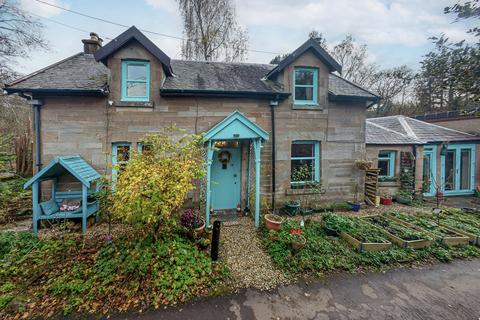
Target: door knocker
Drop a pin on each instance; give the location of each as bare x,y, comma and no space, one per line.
224,158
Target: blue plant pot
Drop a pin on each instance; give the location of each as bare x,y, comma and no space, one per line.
355,206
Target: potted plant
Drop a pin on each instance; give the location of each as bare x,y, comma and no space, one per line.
292,207
209,232
386,199
355,205
192,221
404,197
363,164
273,221
298,240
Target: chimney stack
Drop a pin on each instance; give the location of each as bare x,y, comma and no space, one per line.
93,44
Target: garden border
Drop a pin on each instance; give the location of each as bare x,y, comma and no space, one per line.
447,240
414,244
365,246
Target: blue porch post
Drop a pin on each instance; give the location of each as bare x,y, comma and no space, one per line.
35,207
208,191
256,145
84,208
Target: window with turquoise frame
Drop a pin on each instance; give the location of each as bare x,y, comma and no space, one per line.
305,162
305,83
386,163
120,157
143,147
135,80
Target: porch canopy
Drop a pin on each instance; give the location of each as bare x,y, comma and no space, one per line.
80,170
235,127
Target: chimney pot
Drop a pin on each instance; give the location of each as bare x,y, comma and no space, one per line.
93,44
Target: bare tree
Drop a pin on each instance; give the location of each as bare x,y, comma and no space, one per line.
394,86
353,58
211,31
19,34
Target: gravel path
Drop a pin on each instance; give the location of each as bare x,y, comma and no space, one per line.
250,266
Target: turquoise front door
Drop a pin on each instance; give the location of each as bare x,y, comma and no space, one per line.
225,181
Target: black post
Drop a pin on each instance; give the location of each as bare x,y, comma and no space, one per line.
215,240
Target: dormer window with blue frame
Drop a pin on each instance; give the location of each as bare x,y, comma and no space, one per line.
135,80
305,83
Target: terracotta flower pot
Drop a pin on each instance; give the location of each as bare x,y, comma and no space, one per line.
193,233
199,231
273,222
298,242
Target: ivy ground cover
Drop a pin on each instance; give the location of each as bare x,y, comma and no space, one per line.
398,229
425,223
323,253
355,227
44,278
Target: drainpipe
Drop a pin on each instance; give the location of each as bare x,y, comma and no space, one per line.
36,104
273,104
414,151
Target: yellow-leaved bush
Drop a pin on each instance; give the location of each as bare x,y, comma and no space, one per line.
153,185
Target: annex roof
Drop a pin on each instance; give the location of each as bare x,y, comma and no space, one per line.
406,127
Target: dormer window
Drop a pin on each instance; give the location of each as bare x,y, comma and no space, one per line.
135,80
305,86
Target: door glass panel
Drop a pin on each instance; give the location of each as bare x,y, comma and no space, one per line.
465,165
450,170
426,173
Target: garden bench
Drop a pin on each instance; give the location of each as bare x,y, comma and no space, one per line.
47,210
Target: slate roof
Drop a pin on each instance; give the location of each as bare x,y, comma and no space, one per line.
318,51
79,72
219,76
340,87
404,130
133,34
376,134
82,74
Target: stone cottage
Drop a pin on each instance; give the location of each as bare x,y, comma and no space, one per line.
260,121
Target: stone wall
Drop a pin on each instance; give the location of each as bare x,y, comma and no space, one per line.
394,187
88,126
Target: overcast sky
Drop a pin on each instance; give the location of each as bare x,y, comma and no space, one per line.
396,31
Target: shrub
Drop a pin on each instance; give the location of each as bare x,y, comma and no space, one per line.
153,185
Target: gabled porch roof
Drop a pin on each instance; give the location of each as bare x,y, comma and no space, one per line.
236,126
74,165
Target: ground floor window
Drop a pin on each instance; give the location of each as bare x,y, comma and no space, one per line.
305,162
386,163
120,156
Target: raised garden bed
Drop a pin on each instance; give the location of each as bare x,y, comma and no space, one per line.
359,234
400,234
462,224
446,235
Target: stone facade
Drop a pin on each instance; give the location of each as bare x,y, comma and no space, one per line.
89,125
393,187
